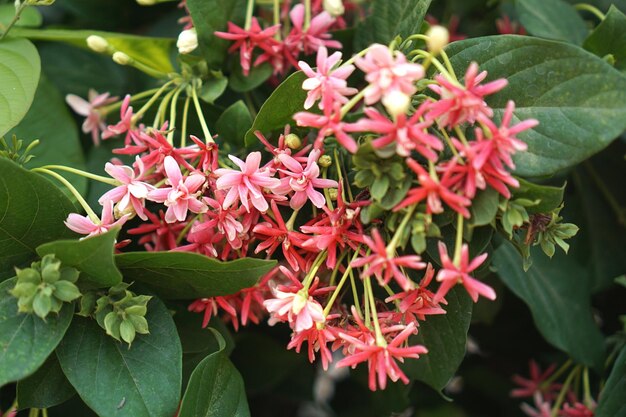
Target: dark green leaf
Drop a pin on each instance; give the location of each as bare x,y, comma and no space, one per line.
278,110
609,37
554,19
549,197
557,292
92,256
257,76
444,336
579,100
216,388
484,207
49,121
210,16
234,123
115,380
45,388
389,19
19,75
25,339
611,402
213,88
30,16
186,275
32,211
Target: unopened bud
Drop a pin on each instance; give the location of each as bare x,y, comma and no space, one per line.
396,102
40,2
333,193
97,43
121,58
187,41
293,141
146,2
438,39
325,161
334,7
129,211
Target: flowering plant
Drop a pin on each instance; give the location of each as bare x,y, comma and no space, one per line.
354,181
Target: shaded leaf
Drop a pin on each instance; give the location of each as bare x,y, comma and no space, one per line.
484,207
553,19
611,402
609,37
45,388
549,197
30,17
234,123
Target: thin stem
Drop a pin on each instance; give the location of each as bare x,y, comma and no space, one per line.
342,281
458,244
249,11
172,126
446,60
186,229
353,101
557,374
183,130
461,135
316,266
118,104
205,129
333,275
92,215
591,9
355,57
292,220
13,21
85,174
563,392
419,53
587,389
307,14
159,119
44,412
449,142
380,339
391,247
153,72
152,100
355,295
276,12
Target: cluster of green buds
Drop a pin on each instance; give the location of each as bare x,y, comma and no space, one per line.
554,234
120,312
45,286
13,151
514,213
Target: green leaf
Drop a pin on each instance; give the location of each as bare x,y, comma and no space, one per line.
611,402
445,337
579,100
92,256
32,211
210,16
113,379
19,74
49,121
484,207
243,83
554,19
556,291
215,388
609,37
30,16
389,19
153,52
278,110
45,388
25,339
549,197
186,275
213,88
234,123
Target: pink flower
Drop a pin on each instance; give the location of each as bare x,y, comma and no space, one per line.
386,73
506,27
381,360
94,122
451,274
303,181
317,340
543,407
459,104
183,194
577,409
328,124
385,265
86,226
246,185
131,192
298,308
325,83
535,384
225,220
309,40
125,123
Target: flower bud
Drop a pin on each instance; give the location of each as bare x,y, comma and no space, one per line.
325,161
187,41
40,2
438,38
396,102
334,7
121,58
293,141
333,193
146,2
97,43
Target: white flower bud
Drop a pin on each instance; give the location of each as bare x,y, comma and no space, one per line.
121,58
334,7
97,43
187,41
438,39
396,102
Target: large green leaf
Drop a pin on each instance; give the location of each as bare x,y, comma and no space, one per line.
609,37
389,19
186,275
579,100
153,52
215,388
50,121
279,108
30,17
548,197
210,16
557,292
554,19
234,123
19,74
25,339
445,337
612,402
115,380
92,256
45,388
32,211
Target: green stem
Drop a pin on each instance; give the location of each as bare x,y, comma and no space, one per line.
420,53
563,392
391,247
159,119
186,229
276,12
353,101
150,102
355,295
205,129
591,9
461,135
342,281
249,11
307,14
587,398
13,21
449,142
85,174
557,374
333,275
183,131
380,339
292,220
446,60
172,126
44,412
458,244
355,57
316,266
107,109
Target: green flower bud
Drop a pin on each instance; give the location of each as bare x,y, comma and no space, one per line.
293,141
121,313
139,323
325,161
127,331
87,304
42,305
66,291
